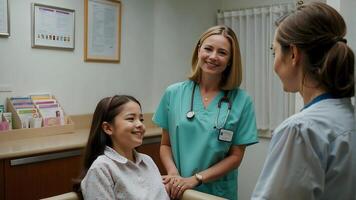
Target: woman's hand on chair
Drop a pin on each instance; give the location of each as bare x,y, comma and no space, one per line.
168,181
180,185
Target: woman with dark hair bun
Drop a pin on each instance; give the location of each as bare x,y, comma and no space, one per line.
312,154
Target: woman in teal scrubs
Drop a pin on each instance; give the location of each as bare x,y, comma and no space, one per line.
207,121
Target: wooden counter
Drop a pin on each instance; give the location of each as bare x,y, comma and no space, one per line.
45,144
12,146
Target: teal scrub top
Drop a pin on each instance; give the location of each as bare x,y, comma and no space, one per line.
195,144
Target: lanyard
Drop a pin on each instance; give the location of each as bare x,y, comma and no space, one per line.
318,99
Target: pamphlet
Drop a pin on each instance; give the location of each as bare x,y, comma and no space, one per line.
2,108
4,124
37,110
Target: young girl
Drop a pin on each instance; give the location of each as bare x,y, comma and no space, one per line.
112,168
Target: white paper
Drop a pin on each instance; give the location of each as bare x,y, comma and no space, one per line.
53,27
102,29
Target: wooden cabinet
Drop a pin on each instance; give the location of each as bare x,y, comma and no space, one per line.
2,185
33,178
152,149
46,175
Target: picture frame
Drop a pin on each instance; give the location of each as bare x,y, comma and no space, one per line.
4,18
52,27
102,43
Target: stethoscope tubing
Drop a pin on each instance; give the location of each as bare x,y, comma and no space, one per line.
190,114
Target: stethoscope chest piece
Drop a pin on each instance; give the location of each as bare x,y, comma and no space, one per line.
190,114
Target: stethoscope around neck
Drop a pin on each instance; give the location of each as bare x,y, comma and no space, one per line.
191,114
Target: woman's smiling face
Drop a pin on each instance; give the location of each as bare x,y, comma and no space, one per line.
214,54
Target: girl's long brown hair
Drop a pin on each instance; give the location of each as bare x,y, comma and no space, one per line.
106,111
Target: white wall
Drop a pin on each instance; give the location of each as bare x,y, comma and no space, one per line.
178,25
78,85
334,3
251,167
157,40
347,10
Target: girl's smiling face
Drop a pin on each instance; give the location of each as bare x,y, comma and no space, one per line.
127,129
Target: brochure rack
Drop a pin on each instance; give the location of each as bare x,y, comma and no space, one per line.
19,132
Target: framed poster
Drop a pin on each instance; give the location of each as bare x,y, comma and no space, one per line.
52,27
4,18
102,31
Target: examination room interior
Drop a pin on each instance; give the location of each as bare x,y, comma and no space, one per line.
157,41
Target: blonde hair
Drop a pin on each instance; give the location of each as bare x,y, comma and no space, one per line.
232,76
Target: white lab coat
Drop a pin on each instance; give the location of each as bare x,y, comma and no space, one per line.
312,155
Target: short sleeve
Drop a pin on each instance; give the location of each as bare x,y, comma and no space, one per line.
98,184
246,131
160,117
291,170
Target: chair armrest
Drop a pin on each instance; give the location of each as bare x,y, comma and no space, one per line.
196,195
65,196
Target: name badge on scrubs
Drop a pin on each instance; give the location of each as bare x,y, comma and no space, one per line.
225,135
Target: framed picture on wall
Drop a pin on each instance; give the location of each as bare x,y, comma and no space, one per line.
4,18
52,27
102,30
